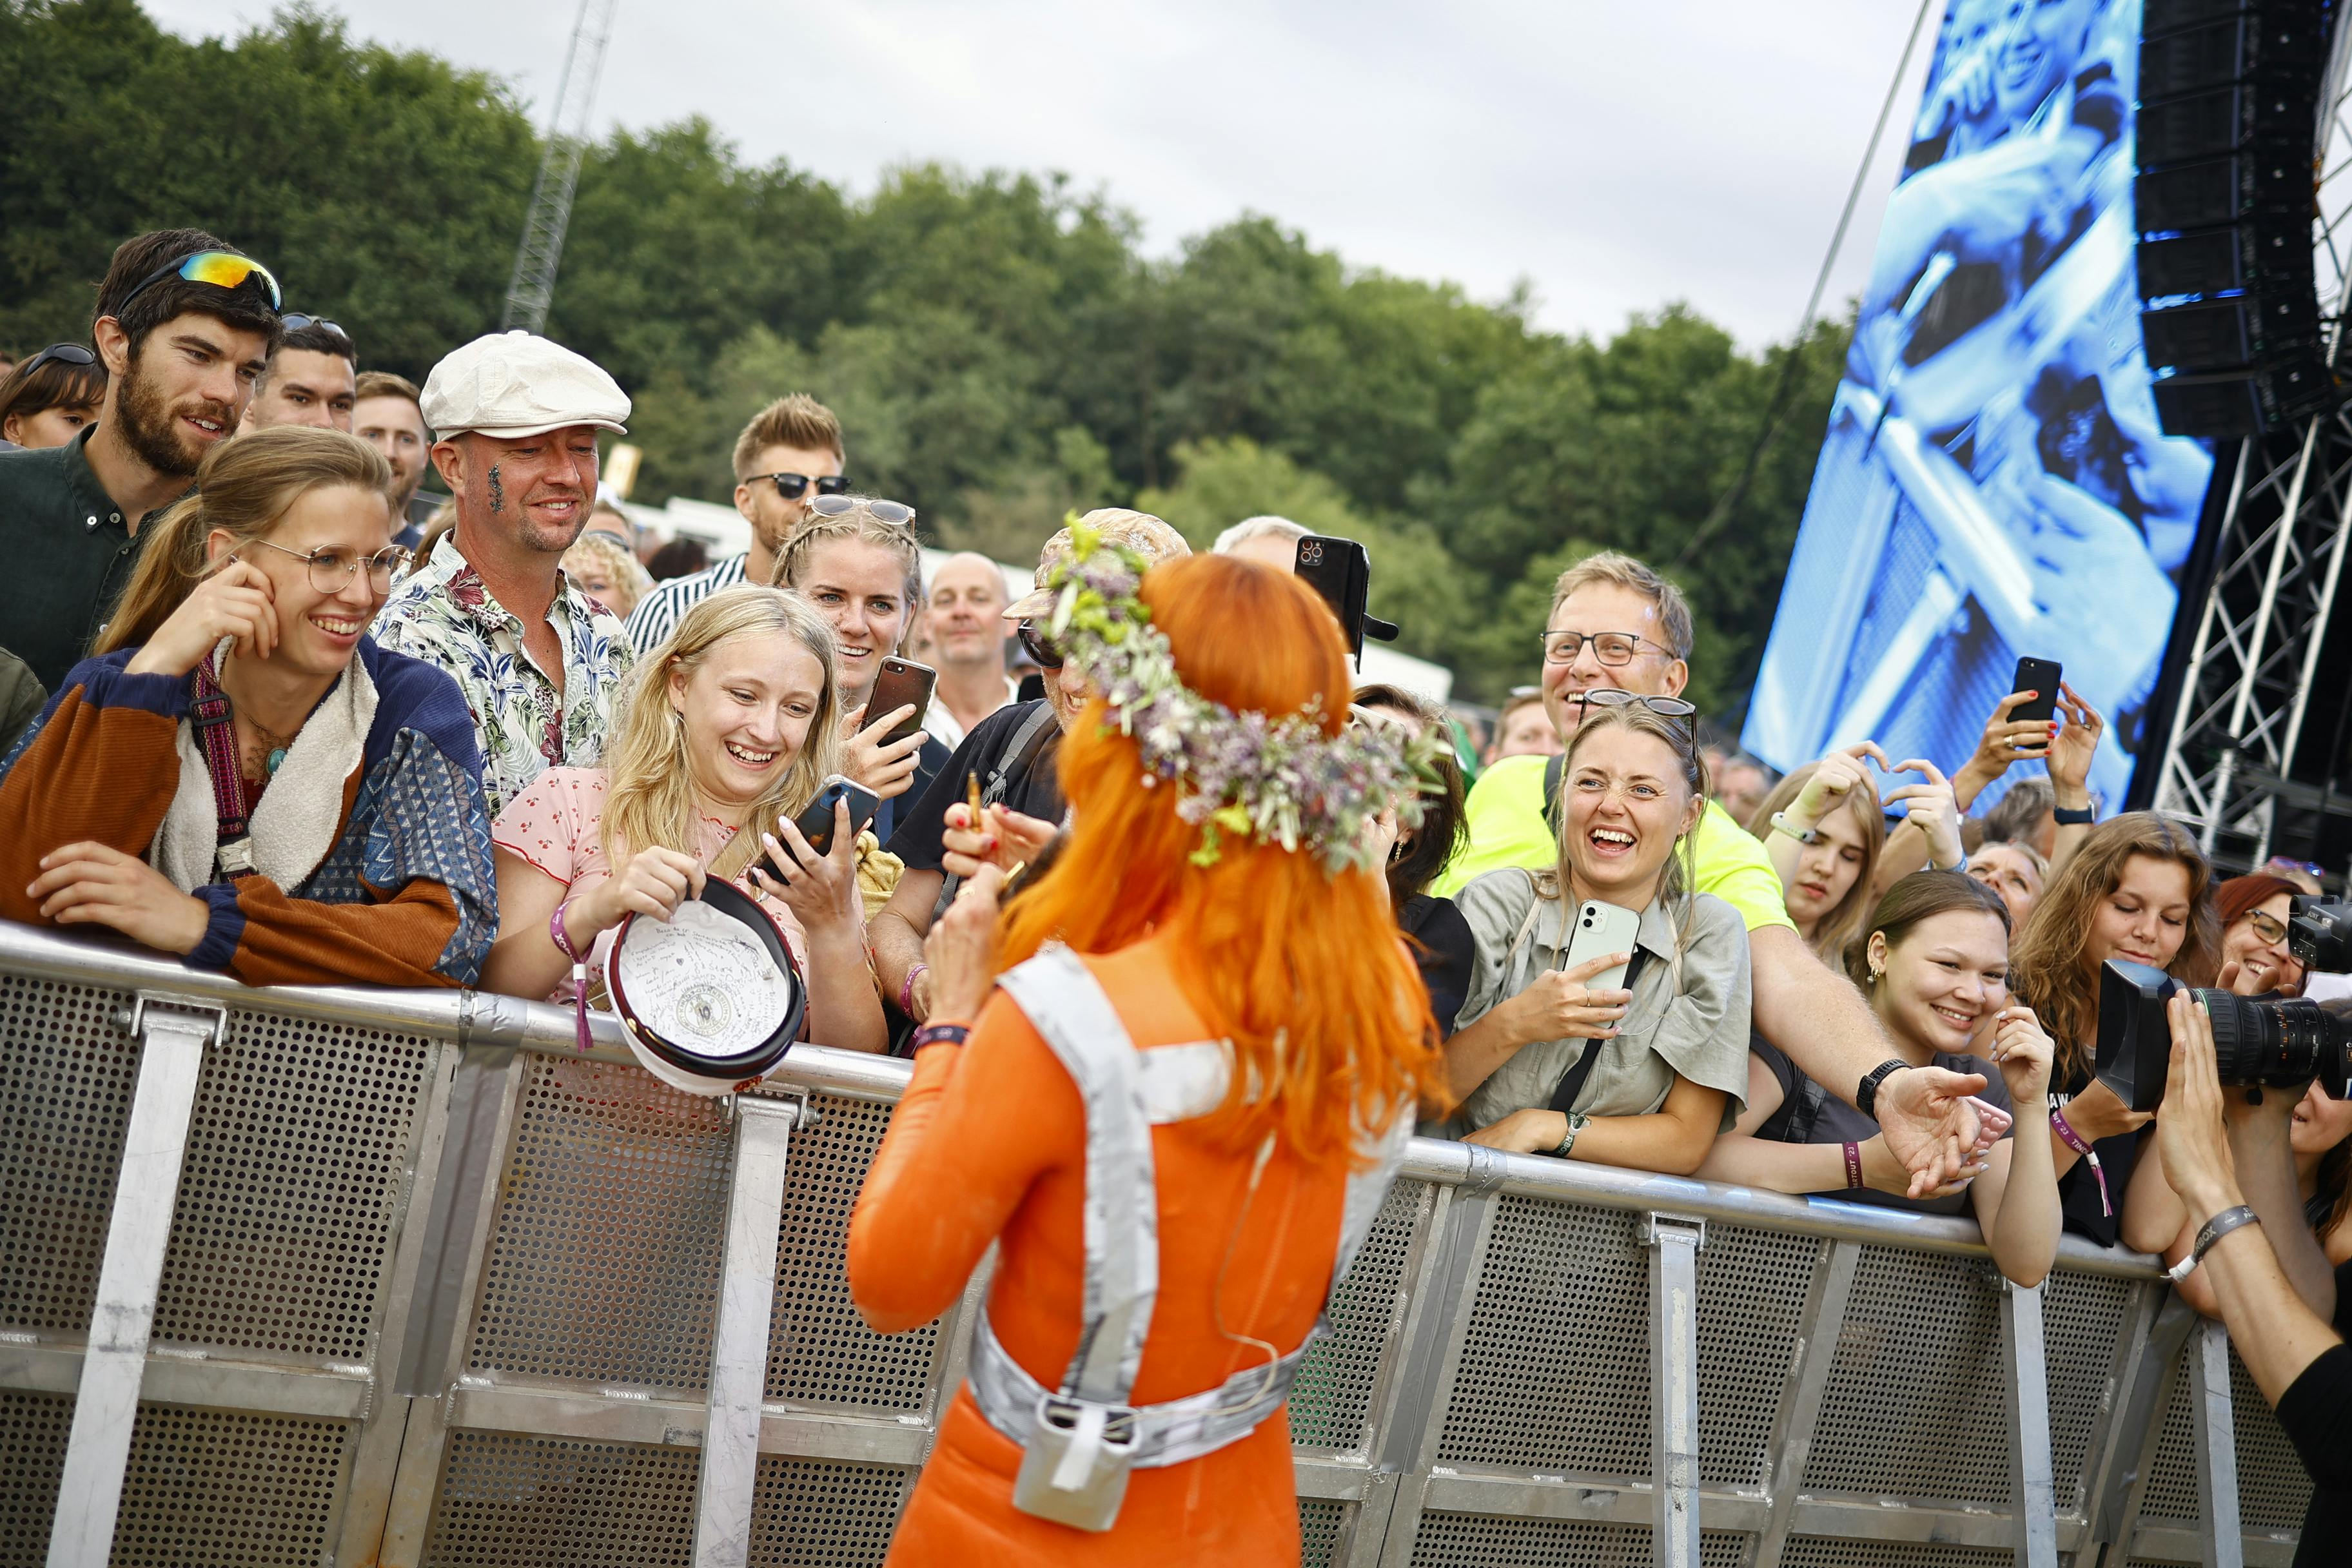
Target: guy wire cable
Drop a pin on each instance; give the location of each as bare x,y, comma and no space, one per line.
1776,412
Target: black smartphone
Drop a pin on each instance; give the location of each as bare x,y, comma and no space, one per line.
815,823
2039,675
1341,571
902,682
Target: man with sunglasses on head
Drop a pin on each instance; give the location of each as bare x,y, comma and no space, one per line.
788,455
1617,626
541,664
185,326
312,379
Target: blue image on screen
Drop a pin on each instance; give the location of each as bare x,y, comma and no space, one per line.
1994,482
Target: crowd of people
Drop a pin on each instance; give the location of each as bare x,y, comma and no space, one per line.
264,711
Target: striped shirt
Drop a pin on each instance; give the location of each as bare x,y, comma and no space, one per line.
659,613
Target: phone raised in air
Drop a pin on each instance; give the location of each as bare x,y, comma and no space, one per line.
2039,675
815,822
1602,928
1341,570
902,682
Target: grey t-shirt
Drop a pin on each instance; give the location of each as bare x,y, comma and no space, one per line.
1688,1016
1835,1121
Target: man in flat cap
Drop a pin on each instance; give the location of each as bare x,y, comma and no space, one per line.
541,663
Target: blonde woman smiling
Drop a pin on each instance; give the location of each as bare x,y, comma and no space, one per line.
728,729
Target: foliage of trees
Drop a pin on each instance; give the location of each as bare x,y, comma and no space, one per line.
999,348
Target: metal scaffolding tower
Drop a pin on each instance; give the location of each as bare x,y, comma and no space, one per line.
2276,571
533,284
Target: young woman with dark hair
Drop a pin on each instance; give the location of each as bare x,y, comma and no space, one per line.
1934,961
2136,888
1443,946
52,397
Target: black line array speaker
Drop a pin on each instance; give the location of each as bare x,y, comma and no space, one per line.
2225,195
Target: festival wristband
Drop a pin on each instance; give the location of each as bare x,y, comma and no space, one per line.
907,991
2074,1140
1853,1182
2214,1229
562,940
939,1033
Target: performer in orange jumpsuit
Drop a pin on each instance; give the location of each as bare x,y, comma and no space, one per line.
1099,1122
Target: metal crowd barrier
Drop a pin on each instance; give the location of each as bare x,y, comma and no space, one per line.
332,1276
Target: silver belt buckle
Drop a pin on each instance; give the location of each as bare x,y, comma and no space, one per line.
1074,1469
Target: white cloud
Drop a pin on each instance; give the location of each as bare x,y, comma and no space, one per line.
1619,156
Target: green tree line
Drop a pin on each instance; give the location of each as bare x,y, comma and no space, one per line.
998,344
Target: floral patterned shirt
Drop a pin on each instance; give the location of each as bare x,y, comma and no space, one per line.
442,613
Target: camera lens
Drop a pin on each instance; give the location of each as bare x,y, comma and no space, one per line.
2281,1042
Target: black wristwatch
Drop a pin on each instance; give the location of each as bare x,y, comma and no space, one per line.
2073,816
1865,1096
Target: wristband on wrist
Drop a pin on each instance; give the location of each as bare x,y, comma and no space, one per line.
906,990
1780,824
1853,1182
1577,1122
2074,1140
562,940
1866,1094
2073,816
2214,1230
939,1033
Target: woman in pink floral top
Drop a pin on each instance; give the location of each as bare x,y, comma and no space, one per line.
728,729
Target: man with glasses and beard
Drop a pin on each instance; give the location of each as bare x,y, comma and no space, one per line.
186,326
788,455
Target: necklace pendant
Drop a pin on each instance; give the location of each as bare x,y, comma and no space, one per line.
272,761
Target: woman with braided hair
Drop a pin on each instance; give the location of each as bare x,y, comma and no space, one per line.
1178,1110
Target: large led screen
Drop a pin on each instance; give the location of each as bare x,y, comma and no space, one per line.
1994,482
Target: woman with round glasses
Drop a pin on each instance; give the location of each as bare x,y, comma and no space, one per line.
240,776
2255,912
52,397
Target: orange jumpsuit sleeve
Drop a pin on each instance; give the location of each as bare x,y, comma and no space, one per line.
979,1124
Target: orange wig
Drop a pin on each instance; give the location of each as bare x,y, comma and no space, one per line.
1304,972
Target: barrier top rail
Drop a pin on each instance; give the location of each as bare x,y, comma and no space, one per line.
482,1020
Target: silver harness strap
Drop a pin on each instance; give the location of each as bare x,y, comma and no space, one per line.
1081,1442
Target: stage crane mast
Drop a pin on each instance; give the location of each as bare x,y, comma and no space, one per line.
533,284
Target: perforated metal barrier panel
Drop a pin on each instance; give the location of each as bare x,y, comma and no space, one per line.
544,1266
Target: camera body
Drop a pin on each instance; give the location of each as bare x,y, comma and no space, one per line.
2278,1042
2319,934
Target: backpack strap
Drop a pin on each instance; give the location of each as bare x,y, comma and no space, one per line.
215,723
1019,756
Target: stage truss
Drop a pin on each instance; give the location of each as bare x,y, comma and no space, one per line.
2276,571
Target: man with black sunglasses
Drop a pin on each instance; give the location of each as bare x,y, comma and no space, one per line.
185,326
788,455
312,379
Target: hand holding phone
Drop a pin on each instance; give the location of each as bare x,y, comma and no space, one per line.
2041,676
816,822
902,683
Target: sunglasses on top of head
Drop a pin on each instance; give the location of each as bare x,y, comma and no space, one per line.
792,487
1664,707
220,268
295,321
59,353
889,513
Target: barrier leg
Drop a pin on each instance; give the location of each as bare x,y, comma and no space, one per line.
2217,1445
172,1040
1792,1435
2033,1485
739,1340
1673,1243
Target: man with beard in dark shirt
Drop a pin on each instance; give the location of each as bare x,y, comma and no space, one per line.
186,324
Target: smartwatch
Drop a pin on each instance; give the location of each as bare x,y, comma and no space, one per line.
1865,1096
2073,816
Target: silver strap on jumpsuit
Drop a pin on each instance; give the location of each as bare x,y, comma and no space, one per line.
1080,1442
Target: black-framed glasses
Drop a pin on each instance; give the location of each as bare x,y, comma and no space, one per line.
1614,649
792,487
889,513
1664,707
58,353
220,269
332,569
1039,646
295,321
2267,927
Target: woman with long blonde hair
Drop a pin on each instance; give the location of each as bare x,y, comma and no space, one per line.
1825,828
2136,889
728,729
239,777
1176,1114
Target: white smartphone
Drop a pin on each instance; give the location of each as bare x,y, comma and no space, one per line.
1602,928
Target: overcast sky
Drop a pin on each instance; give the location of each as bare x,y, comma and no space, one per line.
1620,156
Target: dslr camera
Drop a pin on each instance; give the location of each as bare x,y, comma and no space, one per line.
2278,1042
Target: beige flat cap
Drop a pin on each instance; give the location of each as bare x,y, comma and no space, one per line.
511,384
1139,530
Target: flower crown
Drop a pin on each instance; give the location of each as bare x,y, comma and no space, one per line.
1279,781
